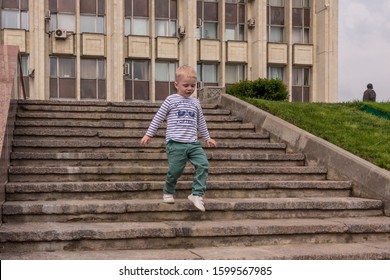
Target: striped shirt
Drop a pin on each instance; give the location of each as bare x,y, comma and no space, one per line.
184,118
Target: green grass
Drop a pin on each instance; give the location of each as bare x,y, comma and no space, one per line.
343,124
384,107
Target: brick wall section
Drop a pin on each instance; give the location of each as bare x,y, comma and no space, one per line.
8,97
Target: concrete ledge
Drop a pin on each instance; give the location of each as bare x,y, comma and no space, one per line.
369,181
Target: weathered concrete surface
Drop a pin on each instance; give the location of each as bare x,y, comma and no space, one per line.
368,180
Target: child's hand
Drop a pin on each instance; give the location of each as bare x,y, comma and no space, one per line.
145,140
211,142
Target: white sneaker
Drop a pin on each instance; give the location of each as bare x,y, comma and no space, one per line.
197,201
168,198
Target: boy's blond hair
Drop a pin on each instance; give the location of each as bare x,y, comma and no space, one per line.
185,71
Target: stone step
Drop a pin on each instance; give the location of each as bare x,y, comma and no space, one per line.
134,116
149,159
130,173
334,251
30,237
88,133
52,104
123,146
133,210
24,191
126,124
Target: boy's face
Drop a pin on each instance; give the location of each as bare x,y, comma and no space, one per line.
185,86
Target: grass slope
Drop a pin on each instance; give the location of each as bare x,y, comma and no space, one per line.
342,124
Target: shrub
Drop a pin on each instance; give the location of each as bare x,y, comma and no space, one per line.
266,89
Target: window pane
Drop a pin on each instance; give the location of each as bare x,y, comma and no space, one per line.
241,32
53,67
53,88
102,90
88,69
24,20
297,17
173,12
275,73
231,74
306,36
161,27
241,13
67,88
141,8
100,24
277,16
88,7
296,94
141,90
67,6
297,3
296,77
101,69
306,94
296,35
141,26
101,7
24,5
211,11
87,23
127,26
231,13
210,73
10,4
278,3
306,77
67,67
88,89
229,32
53,6
276,34
9,19
210,30
162,90
172,71
162,8
141,70
66,22
24,65
128,8
172,28
306,18
161,71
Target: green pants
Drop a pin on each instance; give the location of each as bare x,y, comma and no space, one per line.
178,156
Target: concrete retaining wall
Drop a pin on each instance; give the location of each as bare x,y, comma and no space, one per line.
369,181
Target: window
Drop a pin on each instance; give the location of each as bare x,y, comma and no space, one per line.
166,17
235,73
137,17
165,79
136,80
235,20
301,21
93,79
25,72
208,74
275,20
301,84
92,16
63,15
276,73
207,19
62,77
14,14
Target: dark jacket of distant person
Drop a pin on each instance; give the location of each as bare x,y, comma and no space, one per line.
369,94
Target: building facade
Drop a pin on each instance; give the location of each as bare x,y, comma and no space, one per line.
127,50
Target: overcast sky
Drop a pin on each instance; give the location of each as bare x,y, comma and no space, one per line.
364,48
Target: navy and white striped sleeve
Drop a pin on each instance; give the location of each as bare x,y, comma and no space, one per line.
159,118
202,126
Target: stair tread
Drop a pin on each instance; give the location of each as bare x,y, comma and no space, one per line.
157,185
337,251
70,231
220,204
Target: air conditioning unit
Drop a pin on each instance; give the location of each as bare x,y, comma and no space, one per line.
60,34
182,31
199,85
199,22
251,23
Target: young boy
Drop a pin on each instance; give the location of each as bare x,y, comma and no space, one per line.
184,117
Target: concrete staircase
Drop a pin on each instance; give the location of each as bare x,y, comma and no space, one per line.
81,187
